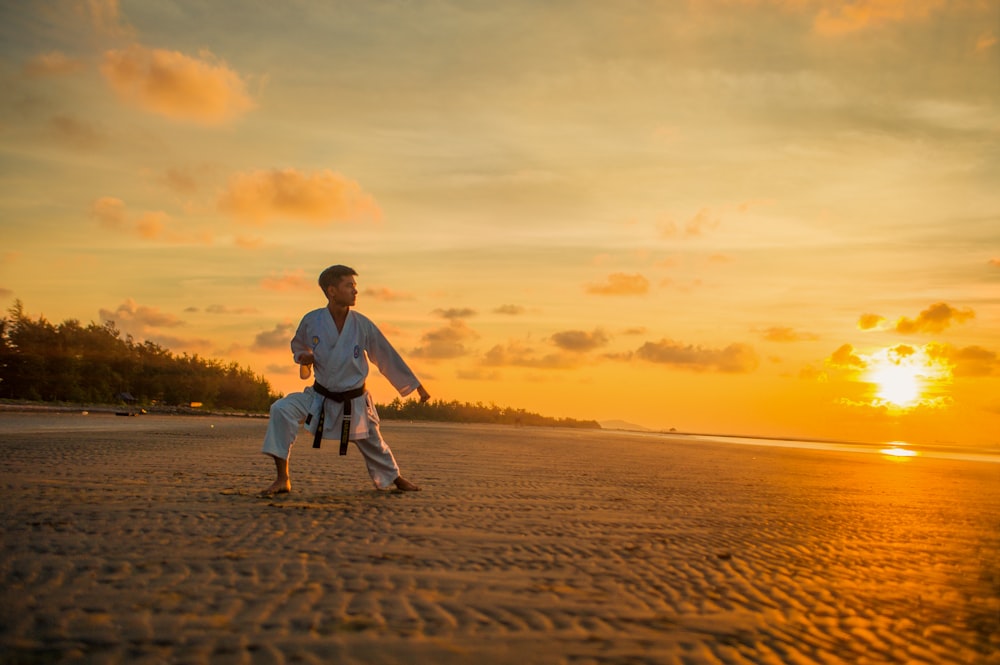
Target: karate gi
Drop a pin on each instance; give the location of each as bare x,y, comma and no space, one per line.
341,364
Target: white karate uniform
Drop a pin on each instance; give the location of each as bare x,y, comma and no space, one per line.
341,364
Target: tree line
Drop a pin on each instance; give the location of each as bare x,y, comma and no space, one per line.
94,364
457,412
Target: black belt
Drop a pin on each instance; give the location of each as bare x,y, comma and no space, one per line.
345,426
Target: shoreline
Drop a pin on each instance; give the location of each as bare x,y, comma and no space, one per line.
982,453
13,406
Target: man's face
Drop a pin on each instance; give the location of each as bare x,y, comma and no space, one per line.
345,292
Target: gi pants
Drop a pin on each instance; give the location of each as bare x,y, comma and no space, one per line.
288,414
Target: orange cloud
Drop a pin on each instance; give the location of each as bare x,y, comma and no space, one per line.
386,295
845,356
516,354
579,341
447,342
321,197
620,284
131,317
53,63
150,225
969,361
288,281
455,313
934,319
571,347
510,310
986,42
810,373
175,85
782,334
844,17
870,321
109,211
278,338
902,351
735,358
994,262
839,17
281,370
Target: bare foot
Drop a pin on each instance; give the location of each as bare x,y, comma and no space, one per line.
278,487
405,485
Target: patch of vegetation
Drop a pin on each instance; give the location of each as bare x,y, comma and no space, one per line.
457,412
94,364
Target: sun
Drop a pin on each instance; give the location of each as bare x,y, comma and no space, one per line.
899,385
902,376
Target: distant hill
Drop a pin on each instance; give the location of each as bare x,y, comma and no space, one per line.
621,424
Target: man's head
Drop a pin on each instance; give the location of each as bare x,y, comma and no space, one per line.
334,277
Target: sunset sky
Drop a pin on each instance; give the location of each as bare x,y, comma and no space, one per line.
759,217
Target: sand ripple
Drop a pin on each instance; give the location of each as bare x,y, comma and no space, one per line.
143,542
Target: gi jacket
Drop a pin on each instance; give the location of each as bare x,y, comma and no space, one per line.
341,364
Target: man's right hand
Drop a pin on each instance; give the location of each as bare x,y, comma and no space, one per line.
305,365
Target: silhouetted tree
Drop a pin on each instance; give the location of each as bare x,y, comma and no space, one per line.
93,364
457,412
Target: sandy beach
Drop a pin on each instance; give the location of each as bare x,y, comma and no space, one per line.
143,540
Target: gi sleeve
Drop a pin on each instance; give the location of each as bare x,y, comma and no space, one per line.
300,342
390,363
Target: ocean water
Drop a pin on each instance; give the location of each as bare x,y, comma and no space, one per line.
898,449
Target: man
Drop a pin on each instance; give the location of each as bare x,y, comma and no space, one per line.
338,343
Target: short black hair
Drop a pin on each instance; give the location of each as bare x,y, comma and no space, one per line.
332,276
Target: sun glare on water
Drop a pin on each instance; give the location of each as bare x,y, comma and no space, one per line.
898,449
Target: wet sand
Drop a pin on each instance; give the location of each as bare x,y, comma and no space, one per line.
142,540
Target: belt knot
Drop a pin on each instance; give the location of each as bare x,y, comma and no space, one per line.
345,426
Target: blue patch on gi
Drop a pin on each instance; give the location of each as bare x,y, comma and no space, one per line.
357,351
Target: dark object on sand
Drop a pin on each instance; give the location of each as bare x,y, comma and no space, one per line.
129,401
